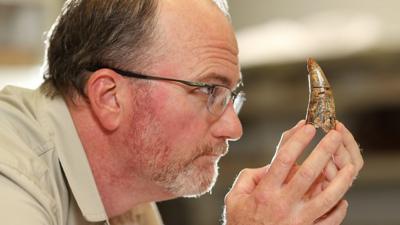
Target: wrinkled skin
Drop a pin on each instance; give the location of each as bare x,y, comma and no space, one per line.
284,193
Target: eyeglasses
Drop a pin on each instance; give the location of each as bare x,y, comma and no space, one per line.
219,96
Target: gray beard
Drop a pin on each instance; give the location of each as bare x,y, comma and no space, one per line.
187,179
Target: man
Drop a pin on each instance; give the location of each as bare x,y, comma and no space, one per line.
138,105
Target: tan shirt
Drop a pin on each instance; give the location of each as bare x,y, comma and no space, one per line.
45,178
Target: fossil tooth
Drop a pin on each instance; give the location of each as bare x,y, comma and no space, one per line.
321,106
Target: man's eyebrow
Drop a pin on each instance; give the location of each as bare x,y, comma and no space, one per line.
223,80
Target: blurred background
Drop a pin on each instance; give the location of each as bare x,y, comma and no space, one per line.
357,44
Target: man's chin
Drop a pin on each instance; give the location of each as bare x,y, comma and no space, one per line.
200,191
197,184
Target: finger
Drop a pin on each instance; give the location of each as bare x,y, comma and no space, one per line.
325,184
332,194
248,179
314,165
330,170
292,172
342,157
336,216
316,188
287,156
287,134
351,146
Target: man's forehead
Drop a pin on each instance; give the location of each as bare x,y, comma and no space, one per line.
191,20
196,34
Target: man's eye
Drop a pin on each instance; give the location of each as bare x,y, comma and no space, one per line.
206,90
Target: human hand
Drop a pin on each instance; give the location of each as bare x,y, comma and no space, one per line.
267,196
348,153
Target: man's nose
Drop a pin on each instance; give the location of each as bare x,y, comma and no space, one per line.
228,126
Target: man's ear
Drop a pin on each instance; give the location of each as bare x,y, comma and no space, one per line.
105,102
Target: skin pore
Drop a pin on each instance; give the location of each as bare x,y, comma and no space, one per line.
155,140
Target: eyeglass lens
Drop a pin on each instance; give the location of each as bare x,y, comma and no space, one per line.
220,98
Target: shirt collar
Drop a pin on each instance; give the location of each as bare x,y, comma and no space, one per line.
73,160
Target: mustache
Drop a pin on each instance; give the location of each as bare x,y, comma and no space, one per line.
208,149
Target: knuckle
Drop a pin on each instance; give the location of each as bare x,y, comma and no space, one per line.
270,197
307,173
243,173
263,198
298,141
285,133
327,202
284,160
331,144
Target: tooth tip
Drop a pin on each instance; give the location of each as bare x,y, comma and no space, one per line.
311,63
317,76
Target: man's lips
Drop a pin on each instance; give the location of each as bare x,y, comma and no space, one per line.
218,151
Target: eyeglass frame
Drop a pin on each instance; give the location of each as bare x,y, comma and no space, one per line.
233,94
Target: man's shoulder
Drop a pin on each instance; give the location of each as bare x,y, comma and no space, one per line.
19,103
21,118
23,167
25,147
18,152
23,139
20,158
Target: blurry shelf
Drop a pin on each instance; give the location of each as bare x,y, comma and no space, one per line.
22,25
26,2
359,82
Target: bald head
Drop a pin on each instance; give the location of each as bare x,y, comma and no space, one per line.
191,29
223,5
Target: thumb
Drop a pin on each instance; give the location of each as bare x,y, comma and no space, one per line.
248,179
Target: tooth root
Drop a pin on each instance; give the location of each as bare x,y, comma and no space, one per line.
321,106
